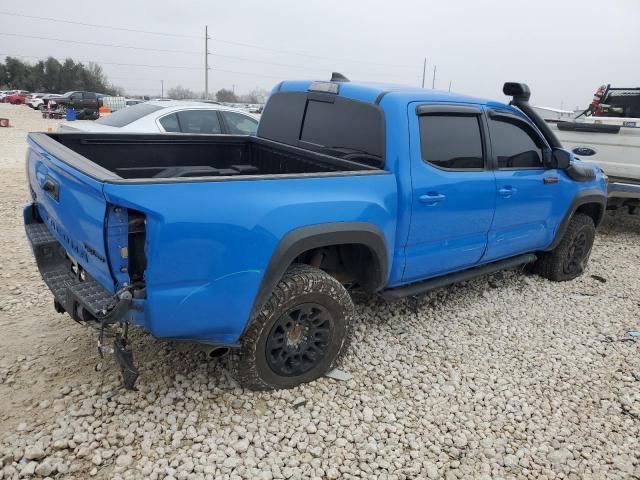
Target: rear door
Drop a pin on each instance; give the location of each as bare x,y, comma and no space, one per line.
453,190
72,206
525,189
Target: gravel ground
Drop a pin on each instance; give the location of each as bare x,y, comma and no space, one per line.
509,376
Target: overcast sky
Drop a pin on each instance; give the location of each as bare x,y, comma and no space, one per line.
564,49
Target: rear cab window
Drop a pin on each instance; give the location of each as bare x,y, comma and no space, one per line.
128,115
326,123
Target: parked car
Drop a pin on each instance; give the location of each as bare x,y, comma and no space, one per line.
35,100
86,104
17,97
248,242
4,93
133,101
174,116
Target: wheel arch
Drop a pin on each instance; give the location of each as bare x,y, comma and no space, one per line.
310,238
589,202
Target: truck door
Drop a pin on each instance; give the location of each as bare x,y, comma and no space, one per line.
525,190
453,189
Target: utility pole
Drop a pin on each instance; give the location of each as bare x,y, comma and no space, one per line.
424,70
206,62
433,83
449,85
161,88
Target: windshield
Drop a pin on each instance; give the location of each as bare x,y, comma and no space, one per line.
129,115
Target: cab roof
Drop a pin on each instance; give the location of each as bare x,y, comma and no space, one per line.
375,92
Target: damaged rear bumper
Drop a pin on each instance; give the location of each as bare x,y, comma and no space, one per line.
79,295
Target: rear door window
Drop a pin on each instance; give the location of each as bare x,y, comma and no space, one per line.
199,121
170,123
239,124
452,142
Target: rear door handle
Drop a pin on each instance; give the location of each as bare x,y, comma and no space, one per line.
506,192
431,199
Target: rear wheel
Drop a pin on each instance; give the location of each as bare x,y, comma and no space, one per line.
300,333
569,259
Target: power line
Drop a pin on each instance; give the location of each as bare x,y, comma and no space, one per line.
289,52
111,45
96,44
107,63
153,66
229,42
108,27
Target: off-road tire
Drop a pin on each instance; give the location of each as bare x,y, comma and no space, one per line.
554,265
300,285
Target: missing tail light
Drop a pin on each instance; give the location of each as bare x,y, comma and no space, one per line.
136,249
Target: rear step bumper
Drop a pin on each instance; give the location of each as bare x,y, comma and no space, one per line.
80,295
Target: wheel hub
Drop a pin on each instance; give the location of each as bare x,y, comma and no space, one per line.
299,339
575,256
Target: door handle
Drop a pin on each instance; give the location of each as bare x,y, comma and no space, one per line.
506,192
431,199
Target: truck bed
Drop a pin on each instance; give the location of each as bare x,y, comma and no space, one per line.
156,158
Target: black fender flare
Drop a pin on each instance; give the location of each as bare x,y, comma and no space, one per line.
593,196
303,239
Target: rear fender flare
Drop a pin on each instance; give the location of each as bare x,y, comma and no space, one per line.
303,239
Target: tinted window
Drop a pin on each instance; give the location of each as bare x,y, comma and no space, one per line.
239,124
344,128
170,123
448,141
89,95
199,121
127,115
513,146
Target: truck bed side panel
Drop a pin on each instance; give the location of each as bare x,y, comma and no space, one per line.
208,244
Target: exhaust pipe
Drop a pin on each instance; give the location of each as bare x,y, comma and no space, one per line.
520,94
211,351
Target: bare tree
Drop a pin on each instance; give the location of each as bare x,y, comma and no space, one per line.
226,95
181,93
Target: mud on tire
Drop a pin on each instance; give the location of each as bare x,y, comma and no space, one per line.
568,260
301,332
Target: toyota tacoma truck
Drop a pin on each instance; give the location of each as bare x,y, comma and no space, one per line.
252,244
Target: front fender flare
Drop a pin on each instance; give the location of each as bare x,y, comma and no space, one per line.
582,198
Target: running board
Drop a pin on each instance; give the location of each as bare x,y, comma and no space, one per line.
439,282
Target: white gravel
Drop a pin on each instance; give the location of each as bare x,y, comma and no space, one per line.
509,376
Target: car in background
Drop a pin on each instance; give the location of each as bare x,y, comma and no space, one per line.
35,100
86,104
172,116
4,93
18,97
130,102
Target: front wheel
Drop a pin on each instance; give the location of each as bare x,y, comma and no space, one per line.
300,333
569,259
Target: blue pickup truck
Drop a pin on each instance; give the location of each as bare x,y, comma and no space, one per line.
251,244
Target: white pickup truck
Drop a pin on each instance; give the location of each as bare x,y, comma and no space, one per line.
606,133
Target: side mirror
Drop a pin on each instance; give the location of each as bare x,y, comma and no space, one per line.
561,158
